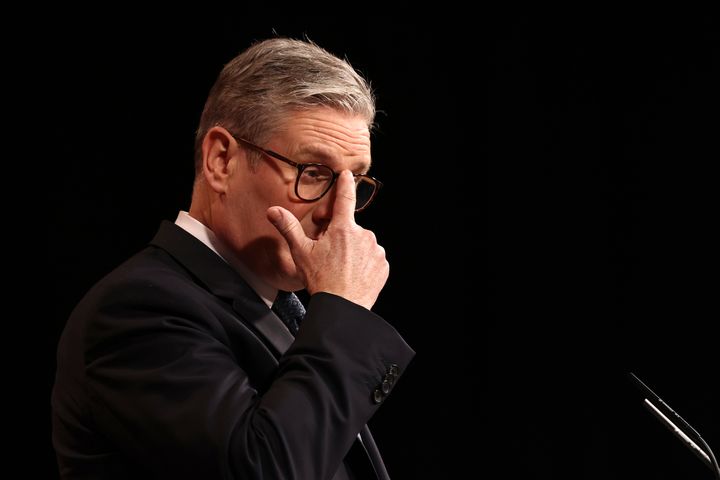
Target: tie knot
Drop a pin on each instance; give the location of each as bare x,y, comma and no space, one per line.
290,309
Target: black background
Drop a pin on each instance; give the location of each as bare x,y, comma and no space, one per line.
549,214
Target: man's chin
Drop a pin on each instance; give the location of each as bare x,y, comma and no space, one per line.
293,283
289,278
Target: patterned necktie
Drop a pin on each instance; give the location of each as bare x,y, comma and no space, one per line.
291,311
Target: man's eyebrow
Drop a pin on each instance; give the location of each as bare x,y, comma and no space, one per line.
319,155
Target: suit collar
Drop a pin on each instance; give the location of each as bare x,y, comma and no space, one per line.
200,231
221,280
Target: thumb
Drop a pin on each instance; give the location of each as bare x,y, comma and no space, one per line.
288,226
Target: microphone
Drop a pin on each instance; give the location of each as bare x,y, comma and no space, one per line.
682,430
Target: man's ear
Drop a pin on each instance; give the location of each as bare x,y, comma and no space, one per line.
218,158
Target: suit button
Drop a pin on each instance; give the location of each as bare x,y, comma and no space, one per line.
394,370
378,396
385,387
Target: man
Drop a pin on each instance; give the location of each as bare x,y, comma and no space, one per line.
176,365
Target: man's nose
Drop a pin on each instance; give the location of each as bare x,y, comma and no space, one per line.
324,207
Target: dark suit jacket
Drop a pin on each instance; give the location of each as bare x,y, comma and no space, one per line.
172,367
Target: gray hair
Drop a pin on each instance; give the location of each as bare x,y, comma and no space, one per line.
272,78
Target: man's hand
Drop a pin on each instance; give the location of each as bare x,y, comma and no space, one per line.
346,259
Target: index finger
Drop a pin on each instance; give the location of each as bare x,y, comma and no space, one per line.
344,206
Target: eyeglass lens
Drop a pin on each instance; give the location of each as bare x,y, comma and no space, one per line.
314,180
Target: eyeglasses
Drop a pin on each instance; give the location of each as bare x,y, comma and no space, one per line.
314,180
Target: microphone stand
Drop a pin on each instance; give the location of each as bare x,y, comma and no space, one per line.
682,430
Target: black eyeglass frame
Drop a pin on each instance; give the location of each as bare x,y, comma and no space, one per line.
302,166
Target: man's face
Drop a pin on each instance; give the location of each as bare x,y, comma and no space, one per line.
319,135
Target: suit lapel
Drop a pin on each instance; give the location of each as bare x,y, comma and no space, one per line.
265,322
221,280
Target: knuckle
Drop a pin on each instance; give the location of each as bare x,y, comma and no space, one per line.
356,229
349,195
